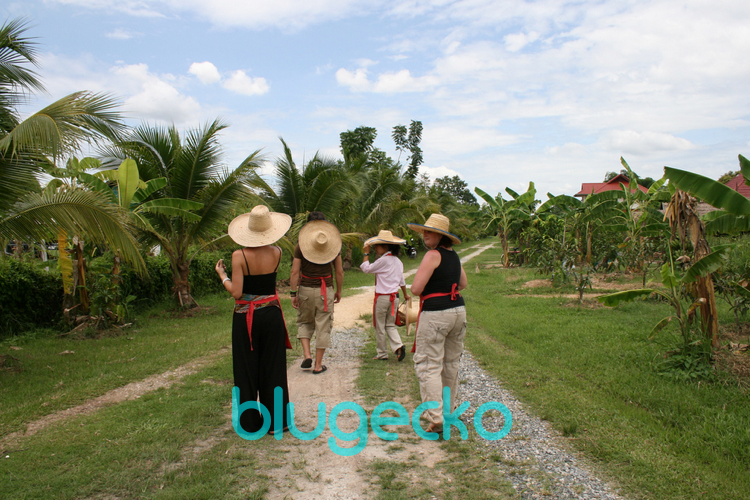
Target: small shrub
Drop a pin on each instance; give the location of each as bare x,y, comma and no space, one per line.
29,297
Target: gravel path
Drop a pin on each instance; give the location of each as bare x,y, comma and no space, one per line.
534,459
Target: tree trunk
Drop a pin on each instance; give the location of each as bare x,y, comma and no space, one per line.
182,286
347,264
504,242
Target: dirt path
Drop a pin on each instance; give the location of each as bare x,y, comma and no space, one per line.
313,471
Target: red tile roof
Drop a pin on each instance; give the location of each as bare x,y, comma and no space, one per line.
738,184
613,184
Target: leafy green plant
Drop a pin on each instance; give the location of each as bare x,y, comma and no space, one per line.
692,345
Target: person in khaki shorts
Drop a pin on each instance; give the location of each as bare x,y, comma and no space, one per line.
317,260
441,327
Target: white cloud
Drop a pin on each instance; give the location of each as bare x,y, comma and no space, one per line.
120,34
516,41
152,97
438,172
205,71
454,139
631,142
390,82
240,83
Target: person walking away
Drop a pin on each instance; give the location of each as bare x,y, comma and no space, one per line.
259,334
389,277
317,260
441,327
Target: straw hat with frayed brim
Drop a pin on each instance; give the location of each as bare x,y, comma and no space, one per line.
319,241
437,223
259,227
385,237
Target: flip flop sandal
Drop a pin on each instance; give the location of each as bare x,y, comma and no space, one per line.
322,369
307,363
401,353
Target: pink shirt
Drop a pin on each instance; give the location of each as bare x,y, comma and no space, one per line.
388,271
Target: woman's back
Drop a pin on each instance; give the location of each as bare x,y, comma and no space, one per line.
259,269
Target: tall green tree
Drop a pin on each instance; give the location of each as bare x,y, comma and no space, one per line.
409,140
357,142
195,173
458,188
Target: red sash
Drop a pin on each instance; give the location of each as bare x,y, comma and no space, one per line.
453,293
323,288
252,304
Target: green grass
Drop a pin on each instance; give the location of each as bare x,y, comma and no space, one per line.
589,371
586,370
160,340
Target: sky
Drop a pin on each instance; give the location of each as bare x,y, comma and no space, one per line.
508,91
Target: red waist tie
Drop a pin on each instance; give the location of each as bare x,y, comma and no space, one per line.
323,288
453,293
252,305
393,304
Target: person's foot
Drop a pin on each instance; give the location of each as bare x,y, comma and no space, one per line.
381,359
307,363
435,428
401,353
322,369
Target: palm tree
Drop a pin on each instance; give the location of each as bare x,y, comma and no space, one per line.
29,147
194,173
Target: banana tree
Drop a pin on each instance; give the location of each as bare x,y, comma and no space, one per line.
132,195
733,215
683,313
503,214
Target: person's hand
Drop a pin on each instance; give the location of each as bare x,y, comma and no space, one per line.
337,297
406,296
221,269
366,249
295,302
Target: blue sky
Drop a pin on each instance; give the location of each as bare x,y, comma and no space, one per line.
508,91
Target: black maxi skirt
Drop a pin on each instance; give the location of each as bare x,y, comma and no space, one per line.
259,371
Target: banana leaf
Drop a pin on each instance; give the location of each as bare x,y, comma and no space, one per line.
613,299
714,193
707,264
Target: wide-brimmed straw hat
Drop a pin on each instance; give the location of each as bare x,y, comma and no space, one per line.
319,241
259,227
437,223
385,237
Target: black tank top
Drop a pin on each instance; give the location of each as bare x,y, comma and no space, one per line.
259,284
442,280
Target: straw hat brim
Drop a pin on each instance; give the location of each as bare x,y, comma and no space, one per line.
421,228
242,235
411,314
313,252
375,240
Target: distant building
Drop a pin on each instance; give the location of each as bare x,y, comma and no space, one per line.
588,188
738,184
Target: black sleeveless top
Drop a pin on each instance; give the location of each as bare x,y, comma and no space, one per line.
259,284
442,280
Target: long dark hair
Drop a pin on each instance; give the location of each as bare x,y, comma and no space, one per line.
445,242
395,249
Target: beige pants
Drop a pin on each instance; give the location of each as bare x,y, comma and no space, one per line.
385,325
440,343
312,318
